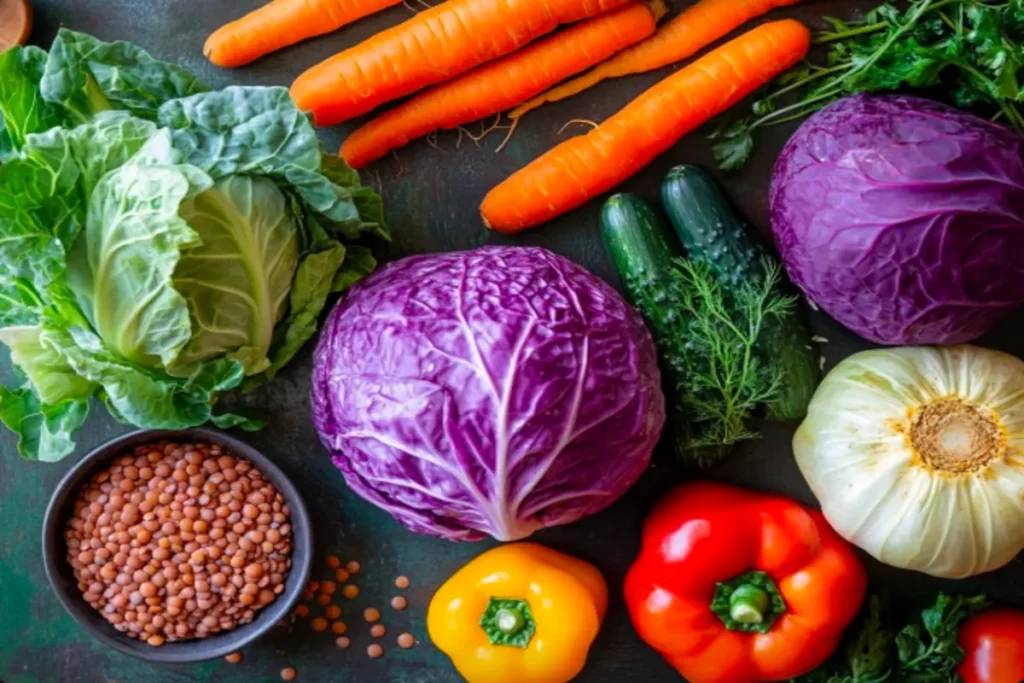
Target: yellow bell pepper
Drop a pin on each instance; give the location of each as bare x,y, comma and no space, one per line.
519,613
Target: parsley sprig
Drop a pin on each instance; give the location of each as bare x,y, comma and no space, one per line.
968,52
924,650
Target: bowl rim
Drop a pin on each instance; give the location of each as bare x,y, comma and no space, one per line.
58,569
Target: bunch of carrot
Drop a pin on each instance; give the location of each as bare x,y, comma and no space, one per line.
479,52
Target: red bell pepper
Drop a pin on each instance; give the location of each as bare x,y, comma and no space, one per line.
994,643
733,586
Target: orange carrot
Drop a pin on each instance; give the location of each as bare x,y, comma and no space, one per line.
494,87
433,46
680,38
585,166
281,23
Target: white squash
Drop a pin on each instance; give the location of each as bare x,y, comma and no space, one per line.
917,456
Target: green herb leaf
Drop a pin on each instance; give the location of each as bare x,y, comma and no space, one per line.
972,50
928,650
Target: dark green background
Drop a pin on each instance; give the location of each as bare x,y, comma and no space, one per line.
431,198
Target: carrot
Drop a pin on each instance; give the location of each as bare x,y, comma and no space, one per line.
585,166
281,23
433,46
680,38
494,87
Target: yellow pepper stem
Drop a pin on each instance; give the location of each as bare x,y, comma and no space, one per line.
508,621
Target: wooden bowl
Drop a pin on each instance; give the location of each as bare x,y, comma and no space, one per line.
15,22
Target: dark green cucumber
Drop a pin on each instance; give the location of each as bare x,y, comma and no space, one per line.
643,250
713,233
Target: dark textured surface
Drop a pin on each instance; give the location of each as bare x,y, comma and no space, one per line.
431,196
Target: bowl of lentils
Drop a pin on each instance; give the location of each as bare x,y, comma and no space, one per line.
177,546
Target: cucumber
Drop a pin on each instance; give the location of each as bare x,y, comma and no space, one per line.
713,233
643,250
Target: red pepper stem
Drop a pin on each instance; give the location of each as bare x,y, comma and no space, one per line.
749,603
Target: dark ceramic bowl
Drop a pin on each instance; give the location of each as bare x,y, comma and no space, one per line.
58,570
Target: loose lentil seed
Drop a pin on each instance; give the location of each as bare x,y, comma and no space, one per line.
406,641
333,562
378,630
371,615
318,624
332,612
351,591
339,627
234,657
399,603
288,674
352,567
374,651
402,582
342,642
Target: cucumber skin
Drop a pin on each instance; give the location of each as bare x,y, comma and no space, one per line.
643,249
714,234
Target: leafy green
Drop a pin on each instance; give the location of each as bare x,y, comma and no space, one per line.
924,649
237,278
159,243
709,338
969,51
86,76
24,109
929,651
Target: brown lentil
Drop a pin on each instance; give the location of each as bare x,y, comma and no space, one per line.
350,591
402,582
323,599
341,576
332,612
288,674
378,630
406,641
333,562
352,567
399,603
371,615
342,642
148,545
302,611
339,627
234,657
319,624
375,651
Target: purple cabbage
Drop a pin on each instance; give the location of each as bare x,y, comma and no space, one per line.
495,391
903,218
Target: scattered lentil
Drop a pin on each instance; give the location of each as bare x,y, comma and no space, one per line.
339,627
288,674
234,657
375,651
406,641
399,603
328,587
341,576
332,612
150,542
342,642
352,567
378,630
350,591
319,624
323,599
402,582
371,615
333,562
302,611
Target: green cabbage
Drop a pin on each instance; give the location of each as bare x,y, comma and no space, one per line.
160,243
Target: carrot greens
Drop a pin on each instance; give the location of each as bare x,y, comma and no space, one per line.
969,52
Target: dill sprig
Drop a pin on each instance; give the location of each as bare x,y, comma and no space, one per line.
713,345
